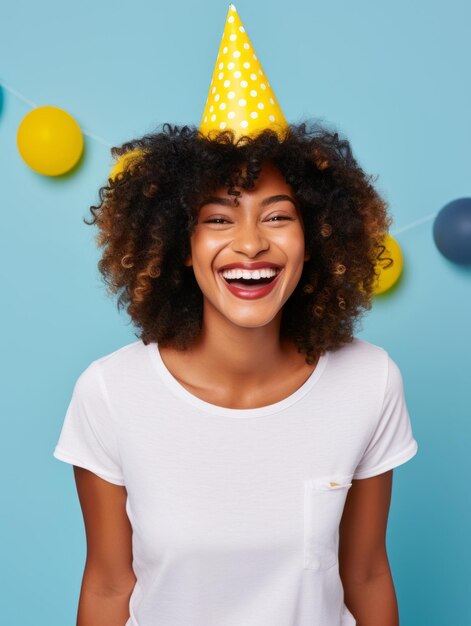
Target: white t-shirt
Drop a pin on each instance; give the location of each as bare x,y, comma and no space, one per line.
235,512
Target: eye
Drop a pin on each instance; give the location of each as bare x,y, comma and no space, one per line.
214,220
281,217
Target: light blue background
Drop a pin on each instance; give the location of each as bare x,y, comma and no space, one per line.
394,78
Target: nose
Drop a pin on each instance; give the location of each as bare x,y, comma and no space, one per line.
249,240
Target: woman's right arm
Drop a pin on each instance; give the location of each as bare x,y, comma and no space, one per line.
108,578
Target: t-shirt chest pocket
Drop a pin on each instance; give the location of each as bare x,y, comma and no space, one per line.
324,500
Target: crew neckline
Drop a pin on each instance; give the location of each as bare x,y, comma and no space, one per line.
182,392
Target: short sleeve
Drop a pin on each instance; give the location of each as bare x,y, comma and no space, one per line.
88,437
392,442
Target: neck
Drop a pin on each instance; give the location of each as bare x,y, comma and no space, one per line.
231,354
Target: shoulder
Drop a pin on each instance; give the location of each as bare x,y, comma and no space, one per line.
112,368
360,369
359,354
124,361
121,355
363,346
375,359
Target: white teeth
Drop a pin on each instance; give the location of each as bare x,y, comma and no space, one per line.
255,275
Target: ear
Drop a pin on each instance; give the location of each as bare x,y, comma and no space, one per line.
307,256
188,261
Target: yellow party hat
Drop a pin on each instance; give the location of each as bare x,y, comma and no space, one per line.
240,96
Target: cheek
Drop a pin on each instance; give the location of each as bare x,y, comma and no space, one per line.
204,252
290,240
203,247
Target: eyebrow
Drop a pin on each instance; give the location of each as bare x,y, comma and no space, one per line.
230,203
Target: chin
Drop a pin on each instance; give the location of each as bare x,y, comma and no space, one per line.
251,320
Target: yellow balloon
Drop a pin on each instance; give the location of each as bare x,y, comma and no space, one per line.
123,160
49,140
388,272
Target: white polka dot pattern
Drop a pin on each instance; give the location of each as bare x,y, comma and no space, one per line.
240,96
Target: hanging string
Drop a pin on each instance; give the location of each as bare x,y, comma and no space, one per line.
20,96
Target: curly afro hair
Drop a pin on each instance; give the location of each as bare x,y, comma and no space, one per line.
148,211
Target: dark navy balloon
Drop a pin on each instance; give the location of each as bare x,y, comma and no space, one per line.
452,231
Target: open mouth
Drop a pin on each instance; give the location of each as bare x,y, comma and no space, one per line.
244,283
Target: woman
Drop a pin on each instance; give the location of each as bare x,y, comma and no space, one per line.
234,464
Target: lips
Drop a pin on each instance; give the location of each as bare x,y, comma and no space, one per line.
251,292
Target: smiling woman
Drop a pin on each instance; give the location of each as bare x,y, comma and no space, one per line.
238,427
234,464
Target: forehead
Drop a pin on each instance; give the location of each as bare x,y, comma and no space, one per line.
269,182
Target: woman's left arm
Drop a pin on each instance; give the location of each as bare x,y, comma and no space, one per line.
363,560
